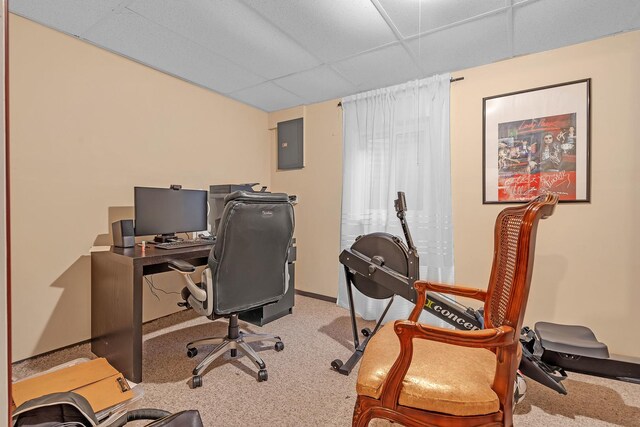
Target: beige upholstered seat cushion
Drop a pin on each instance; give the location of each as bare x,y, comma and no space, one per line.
442,377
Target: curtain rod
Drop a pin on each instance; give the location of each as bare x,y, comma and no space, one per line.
452,79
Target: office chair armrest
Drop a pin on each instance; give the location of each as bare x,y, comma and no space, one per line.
185,268
422,286
181,266
406,330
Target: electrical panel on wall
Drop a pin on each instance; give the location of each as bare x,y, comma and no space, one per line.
290,144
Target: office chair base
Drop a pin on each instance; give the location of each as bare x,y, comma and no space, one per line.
233,344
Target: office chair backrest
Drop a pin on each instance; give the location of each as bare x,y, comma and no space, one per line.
514,246
248,262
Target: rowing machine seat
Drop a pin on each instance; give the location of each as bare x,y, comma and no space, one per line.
570,339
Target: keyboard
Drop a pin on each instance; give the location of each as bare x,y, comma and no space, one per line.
185,244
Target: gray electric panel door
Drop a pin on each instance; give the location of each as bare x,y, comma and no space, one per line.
290,144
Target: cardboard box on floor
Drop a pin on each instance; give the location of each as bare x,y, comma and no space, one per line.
97,381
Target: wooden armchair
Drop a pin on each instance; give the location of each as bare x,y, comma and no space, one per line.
420,375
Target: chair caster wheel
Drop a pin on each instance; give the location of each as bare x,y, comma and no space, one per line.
279,346
336,364
192,352
262,375
196,381
366,332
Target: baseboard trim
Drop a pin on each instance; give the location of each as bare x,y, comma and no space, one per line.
87,341
298,292
316,296
46,353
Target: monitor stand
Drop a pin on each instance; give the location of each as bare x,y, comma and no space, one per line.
164,238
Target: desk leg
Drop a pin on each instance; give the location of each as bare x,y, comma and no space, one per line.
116,312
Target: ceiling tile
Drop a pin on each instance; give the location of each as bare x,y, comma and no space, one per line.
548,24
635,19
384,67
232,30
329,29
415,17
320,49
268,97
70,16
135,37
317,85
477,42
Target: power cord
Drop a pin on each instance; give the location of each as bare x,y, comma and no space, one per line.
153,288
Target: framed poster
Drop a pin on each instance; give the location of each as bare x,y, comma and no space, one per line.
536,141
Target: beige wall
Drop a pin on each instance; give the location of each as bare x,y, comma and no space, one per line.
87,126
318,187
586,263
75,106
587,255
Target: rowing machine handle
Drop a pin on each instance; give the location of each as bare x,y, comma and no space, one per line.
401,206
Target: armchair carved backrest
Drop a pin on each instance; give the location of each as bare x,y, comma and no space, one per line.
510,280
514,246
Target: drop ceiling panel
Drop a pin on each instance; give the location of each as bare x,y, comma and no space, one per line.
136,37
329,29
316,85
231,30
380,68
635,18
416,17
268,97
70,16
276,54
548,24
477,42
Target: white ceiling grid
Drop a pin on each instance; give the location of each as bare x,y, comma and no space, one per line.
275,54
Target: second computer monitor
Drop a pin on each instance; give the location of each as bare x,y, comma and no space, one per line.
217,193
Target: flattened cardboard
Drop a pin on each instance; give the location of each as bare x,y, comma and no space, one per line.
96,380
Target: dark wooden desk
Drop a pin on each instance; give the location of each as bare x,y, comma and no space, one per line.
116,300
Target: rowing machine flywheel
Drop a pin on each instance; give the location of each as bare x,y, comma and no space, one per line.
384,250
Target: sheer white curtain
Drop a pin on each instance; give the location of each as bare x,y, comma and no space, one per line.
397,139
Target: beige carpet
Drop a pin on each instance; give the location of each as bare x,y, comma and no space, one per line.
302,390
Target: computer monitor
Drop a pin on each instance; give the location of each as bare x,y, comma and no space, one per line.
217,193
216,202
166,211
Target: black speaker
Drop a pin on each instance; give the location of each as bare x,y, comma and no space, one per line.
123,236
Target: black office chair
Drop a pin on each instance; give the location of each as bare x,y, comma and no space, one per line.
247,269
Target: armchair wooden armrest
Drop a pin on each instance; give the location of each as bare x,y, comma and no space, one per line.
461,291
422,286
484,338
407,330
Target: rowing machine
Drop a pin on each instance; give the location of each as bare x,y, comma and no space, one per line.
382,266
